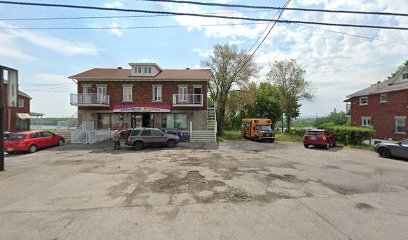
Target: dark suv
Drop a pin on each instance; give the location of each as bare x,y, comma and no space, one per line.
141,137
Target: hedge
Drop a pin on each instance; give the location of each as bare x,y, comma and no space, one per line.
349,135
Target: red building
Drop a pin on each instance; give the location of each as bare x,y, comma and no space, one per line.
142,96
383,106
16,119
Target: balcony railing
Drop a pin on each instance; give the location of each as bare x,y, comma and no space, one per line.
90,99
188,100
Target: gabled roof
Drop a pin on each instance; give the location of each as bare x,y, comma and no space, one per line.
389,85
125,74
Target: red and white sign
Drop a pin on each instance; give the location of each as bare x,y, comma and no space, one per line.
142,108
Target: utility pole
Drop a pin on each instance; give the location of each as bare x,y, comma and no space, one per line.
2,119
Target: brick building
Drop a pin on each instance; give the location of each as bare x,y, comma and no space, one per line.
143,96
383,106
16,119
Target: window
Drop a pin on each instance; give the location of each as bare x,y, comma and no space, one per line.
139,70
400,125
366,121
183,90
104,121
157,133
405,76
135,133
174,120
146,133
101,93
363,100
47,134
36,135
145,69
383,98
149,70
20,103
127,93
157,93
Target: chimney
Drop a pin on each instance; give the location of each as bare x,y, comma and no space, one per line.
187,68
120,68
378,85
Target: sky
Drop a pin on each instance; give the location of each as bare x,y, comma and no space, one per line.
336,64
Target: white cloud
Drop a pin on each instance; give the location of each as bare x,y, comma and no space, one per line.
235,42
50,42
10,50
116,4
202,52
115,30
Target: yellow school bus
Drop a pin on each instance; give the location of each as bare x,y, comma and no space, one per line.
257,129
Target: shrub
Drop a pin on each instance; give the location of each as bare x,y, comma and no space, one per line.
350,135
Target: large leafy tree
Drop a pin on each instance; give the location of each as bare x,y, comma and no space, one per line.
231,70
289,78
266,104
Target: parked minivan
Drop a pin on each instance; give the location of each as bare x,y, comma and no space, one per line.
141,137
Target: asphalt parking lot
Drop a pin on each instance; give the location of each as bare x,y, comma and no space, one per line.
234,190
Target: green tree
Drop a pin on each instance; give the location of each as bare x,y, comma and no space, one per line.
231,69
266,104
399,68
336,118
288,78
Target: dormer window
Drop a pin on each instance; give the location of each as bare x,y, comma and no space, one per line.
138,70
405,76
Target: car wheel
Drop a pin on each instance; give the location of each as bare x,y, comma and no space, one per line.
306,145
171,143
138,145
60,142
327,145
272,140
256,138
32,149
384,152
334,144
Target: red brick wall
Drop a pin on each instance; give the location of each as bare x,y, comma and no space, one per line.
382,114
143,92
13,111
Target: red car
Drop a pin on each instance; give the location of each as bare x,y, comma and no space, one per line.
319,137
31,141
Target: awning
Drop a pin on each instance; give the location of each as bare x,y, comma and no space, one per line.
142,108
23,115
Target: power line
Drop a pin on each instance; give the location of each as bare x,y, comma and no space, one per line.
135,27
354,35
107,17
201,15
280,8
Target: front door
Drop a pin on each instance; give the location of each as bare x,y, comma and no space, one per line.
135,120
198,97
146,120
101,95
87,94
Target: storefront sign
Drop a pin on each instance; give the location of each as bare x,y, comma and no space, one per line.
142,108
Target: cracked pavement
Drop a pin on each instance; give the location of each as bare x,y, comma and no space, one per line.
234,190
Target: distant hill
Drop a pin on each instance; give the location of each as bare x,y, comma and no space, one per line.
51,121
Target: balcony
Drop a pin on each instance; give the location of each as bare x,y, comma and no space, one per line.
187,100
90,100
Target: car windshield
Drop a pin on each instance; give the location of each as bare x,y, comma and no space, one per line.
15,137
314,133
263,128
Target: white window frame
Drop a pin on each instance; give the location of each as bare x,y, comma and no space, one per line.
183,95
149,69
383,100
158,97
145,69
405,76
366,122
139,69
101,92
127,97
20,103
400,118
360,100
